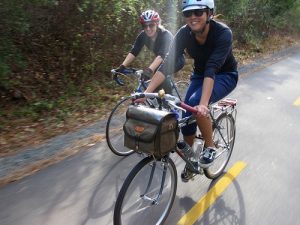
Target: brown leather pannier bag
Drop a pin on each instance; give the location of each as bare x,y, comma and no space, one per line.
150,130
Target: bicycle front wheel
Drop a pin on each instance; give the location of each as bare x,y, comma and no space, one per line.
147,194
114,128
223,137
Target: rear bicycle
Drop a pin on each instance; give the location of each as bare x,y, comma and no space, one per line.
148,193
128,78
114,126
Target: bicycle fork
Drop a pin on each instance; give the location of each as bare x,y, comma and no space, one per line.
155,200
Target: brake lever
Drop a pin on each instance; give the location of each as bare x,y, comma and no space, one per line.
172,103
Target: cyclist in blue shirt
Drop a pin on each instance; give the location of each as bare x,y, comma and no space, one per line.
157,39
215,74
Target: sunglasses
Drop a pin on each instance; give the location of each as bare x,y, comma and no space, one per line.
150,25
196,12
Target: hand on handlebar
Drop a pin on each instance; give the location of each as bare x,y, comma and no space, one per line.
120,69
141,97
202,110
172,101
146,74
140,100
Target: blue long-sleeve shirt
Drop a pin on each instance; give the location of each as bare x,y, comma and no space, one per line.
212,57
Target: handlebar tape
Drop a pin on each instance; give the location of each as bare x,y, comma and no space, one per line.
188,108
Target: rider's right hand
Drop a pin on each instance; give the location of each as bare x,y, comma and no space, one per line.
139,100
121,69
202,110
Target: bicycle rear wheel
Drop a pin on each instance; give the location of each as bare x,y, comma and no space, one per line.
223,137
114,128
147,194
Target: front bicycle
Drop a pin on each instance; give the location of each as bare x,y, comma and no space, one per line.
149,190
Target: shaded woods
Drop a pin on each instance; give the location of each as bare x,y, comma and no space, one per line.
55,55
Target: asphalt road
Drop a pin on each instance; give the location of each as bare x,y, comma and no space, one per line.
82,189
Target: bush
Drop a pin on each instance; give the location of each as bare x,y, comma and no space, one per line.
53,46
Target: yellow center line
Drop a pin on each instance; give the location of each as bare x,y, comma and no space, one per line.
297,102
211,196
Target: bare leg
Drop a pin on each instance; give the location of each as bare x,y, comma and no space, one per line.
205,126
189,139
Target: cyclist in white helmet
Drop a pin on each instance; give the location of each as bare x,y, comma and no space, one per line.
215,73
157,39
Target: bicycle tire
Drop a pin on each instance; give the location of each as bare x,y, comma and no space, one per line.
114,128
180,88
134,206
226,124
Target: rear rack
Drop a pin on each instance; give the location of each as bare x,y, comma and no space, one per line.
227,104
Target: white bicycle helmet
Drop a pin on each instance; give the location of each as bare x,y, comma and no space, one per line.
197,4
149,16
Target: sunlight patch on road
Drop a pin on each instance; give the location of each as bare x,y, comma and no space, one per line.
211,196
297,102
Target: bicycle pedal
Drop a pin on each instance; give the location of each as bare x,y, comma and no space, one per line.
187,175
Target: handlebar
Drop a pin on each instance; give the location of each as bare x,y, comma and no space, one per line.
169,99
126,71
188,107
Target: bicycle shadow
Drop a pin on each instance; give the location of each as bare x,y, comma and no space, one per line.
102,201
222,211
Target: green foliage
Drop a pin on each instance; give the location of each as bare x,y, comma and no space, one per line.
53,50
15,24
253,20
13,20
